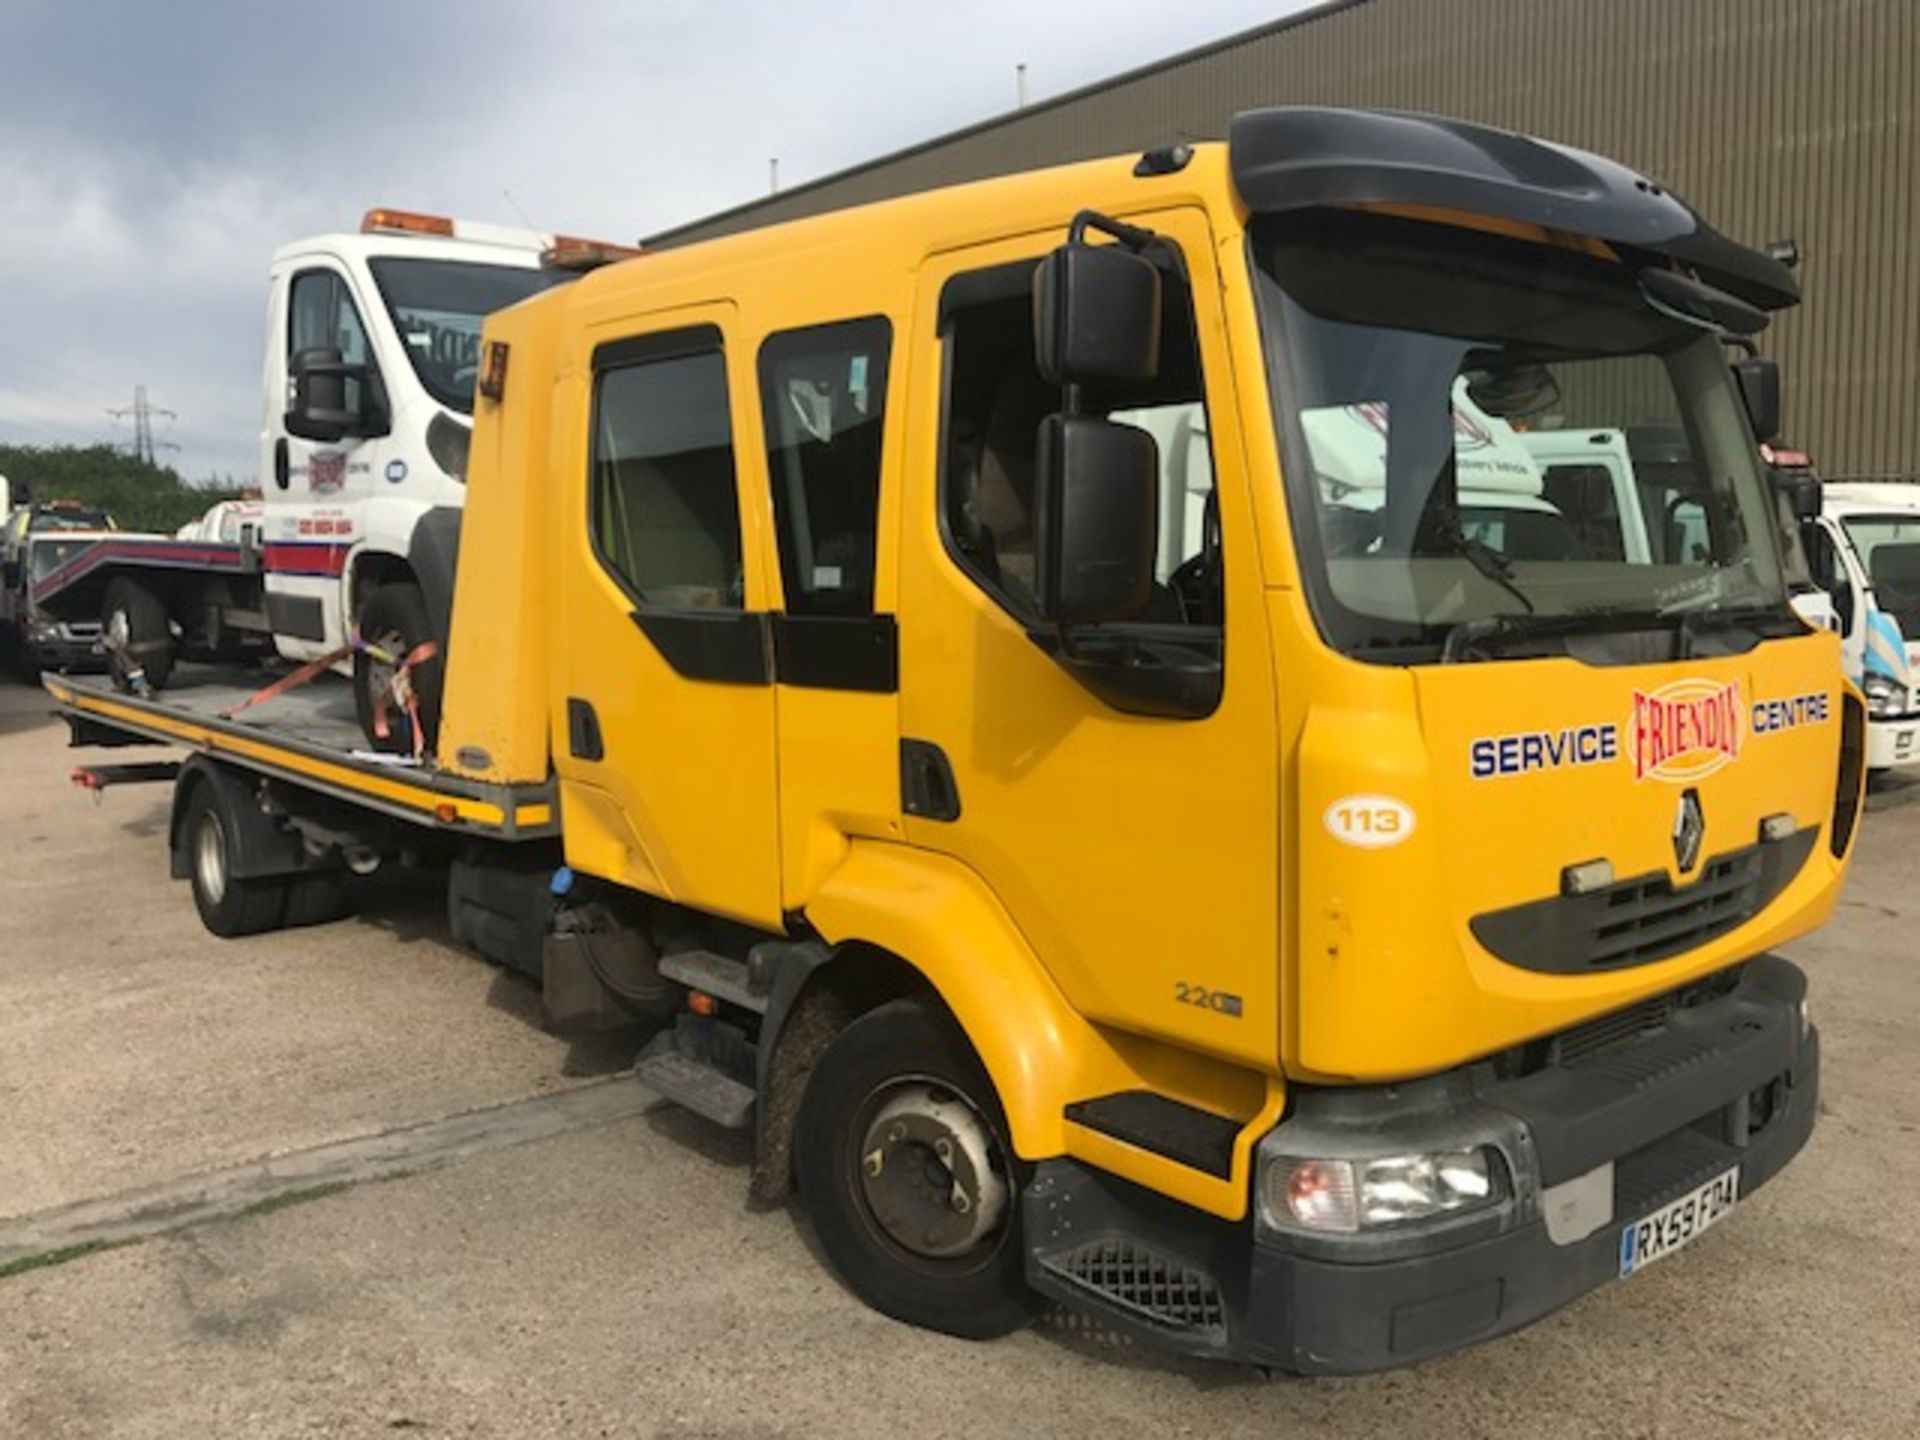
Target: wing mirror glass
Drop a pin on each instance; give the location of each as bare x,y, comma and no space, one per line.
321,383
1097,517
1096,313
1758,377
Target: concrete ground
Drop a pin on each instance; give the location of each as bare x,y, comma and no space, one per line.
605,1277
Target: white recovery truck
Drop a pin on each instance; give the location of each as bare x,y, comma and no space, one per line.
372,352
1864,550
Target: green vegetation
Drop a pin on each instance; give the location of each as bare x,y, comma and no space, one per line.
140,496
61,1256
287,1199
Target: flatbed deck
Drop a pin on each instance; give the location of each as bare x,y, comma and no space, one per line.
309,737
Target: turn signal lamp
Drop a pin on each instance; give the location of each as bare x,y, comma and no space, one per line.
404,222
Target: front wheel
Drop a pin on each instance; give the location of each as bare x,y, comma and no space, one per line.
395,622
138,639
905,1171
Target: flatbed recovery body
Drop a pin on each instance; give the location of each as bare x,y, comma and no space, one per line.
308,738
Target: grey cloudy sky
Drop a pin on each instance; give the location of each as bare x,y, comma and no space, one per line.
153,155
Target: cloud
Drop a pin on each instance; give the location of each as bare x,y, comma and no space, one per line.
152,157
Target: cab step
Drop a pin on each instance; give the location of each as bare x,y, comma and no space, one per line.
693,1084
716,975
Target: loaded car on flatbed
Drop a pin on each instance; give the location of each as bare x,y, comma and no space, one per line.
1101,850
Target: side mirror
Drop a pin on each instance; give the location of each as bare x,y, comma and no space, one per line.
1097,520
1096,314
1802,490
320,410
1758,377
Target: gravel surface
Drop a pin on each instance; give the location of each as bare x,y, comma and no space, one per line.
613,1281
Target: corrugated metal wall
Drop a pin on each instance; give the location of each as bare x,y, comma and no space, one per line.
1776,118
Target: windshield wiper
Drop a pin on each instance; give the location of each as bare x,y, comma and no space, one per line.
1686,626
1467,636
1490,562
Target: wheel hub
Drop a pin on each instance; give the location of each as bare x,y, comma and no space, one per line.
927,1171
210,858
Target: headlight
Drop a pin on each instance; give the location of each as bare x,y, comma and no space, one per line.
1345,1196
1885,696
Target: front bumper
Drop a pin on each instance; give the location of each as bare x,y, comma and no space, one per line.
62,649
1893,741
1626,1127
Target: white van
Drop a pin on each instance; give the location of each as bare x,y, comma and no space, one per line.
1864,550
373,344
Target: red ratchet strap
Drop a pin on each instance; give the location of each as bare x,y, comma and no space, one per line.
294,679
402,690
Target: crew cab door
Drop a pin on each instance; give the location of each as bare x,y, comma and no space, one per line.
1139,854
665,740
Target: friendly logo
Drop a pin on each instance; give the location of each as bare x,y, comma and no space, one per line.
1685,730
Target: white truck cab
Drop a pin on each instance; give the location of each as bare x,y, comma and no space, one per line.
372,348
1864,550
1547,495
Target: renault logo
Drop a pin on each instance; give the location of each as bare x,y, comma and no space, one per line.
1689,829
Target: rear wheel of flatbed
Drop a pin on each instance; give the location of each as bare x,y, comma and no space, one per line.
903,1163
229,906
136,636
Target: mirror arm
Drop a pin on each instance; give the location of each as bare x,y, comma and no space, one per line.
1132,236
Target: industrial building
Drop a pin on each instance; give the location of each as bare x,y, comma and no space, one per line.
1782,119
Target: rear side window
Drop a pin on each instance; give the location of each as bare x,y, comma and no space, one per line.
666,518
823,391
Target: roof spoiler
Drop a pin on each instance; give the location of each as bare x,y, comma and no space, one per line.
1303,157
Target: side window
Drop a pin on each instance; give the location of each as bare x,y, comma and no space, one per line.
823,392
665,517
1829,573
321,315
995,402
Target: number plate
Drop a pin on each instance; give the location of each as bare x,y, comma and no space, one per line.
1671,1226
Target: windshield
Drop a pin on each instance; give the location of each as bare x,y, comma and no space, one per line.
1889,550
438,306
1483,429
69,519
46,556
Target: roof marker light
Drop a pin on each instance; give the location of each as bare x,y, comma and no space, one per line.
570,252
404,222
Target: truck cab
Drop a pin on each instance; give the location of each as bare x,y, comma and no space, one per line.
1864,550
1086,631
371,346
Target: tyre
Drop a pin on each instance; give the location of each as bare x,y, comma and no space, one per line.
136,636
316,898
229,906
395,619
905,1171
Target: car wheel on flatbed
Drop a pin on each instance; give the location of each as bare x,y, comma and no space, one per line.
906,1173
395,620
229,905
136,636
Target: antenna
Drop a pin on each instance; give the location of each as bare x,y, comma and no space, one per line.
525,219
1020,86
773,174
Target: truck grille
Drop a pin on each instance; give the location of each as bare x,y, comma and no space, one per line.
1646,918
1150,1286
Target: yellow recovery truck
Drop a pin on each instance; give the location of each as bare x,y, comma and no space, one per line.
1106,846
